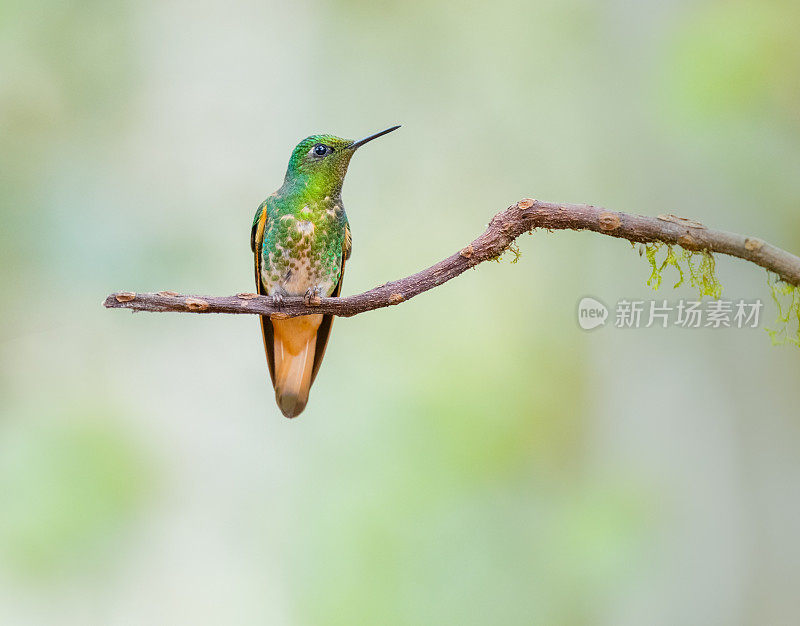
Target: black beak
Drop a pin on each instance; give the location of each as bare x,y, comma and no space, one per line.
361,142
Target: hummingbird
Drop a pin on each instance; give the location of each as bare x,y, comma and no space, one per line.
300,241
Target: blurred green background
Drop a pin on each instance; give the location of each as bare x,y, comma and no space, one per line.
469,457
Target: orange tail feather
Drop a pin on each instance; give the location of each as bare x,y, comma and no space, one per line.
295,343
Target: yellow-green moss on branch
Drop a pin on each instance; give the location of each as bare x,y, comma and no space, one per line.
787,301
700,265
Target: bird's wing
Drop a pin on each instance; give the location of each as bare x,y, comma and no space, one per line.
256,239
347,248
324,330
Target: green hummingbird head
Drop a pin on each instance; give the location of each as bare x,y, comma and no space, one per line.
319,162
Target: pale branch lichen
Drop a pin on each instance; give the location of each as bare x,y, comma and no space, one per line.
513,248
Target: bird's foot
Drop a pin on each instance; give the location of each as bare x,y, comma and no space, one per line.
277,299
312,296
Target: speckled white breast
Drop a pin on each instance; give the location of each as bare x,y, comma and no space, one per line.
297,279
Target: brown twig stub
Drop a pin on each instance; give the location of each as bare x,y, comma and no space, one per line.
503,229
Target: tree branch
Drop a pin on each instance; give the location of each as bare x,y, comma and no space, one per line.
503,229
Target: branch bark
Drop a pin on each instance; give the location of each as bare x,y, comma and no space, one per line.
504,228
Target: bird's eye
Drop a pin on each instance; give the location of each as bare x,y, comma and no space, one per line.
320,150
